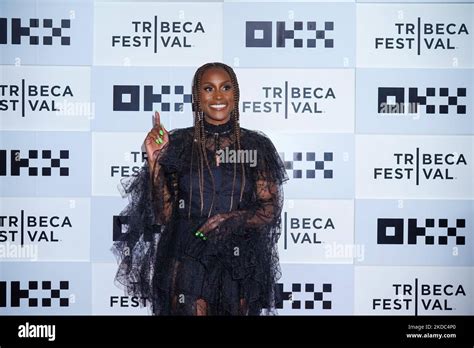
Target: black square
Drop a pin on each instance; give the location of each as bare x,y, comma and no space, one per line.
329,43
460,222
326,304
309,304
298,43
296,304
46,285
460,240
328,25
429,240
63,171
64,302
444,92
461,109
64,154
443,223
165,89
443,109
318,296
430,109
33,302
187,98
310,156
309,287
55,293
442,240
327,287
46,171
34,40
64,285
328,156
297,174
311,43
46,302
47,23
319,165
47,40
310,174
65,41
429,223
33,285
461,92
65,23
165,107
452,231
34,22
297,156
178,107
33,171
328,174
320,34
33,154
46,153
296,287
299,25
430,92
453,100
178,89
55,162
311,25
56,31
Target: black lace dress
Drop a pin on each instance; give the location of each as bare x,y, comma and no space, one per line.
234,271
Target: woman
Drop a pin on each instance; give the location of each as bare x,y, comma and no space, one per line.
204,211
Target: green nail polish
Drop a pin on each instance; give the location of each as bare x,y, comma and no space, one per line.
161,132
160,140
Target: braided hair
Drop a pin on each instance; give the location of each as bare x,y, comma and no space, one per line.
199,137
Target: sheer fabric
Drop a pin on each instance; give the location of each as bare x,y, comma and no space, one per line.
234,271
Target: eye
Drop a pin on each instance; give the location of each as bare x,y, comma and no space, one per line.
227,87
208,89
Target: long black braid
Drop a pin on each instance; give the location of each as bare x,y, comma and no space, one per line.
199,139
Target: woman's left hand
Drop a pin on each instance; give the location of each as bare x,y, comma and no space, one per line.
212,223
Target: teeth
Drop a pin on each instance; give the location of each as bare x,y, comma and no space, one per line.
218,106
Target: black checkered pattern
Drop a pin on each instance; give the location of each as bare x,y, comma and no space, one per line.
283,34
308,301
17,294
17,163
18,31
415,99
314,165
166,90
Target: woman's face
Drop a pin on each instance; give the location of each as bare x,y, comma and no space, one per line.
216,95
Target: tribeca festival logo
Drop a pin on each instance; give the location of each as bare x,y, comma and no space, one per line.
307,296
429,100
423,36
430,297
38,163
295,34
26,98
36,294
304,230
134,161
148,98
36,31
427,231
156,35
420,167
309,167
286,98
23,228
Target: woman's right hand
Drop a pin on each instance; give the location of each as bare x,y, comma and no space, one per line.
156,140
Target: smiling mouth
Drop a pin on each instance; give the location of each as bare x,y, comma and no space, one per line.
217,106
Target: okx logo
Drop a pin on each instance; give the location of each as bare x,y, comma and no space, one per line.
145,98
35,31
308,166
304,296
426,231
35,294
429,100
296,34
38,163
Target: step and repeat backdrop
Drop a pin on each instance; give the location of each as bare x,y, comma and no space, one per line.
369,104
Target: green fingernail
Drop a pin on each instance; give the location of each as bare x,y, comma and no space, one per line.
160,140
204,238
161,132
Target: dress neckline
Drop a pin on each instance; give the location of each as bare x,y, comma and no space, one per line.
221,128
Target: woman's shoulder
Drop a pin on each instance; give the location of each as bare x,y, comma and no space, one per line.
257,136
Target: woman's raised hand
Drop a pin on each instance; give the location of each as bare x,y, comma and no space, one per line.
156,140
